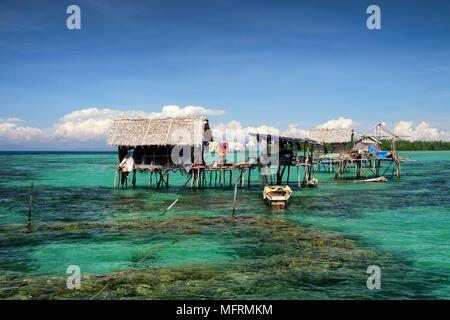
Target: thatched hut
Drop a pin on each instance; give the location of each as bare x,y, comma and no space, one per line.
339,139
365,142
150,141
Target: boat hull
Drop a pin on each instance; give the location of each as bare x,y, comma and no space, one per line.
277,196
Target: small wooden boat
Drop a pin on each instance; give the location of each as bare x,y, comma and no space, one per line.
379,179
277,196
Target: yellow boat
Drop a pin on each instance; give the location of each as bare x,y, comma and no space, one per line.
277,196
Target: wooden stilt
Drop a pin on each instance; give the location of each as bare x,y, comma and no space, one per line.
198,176
337,171
235,194
311,165
133,182
167,180
305,168
150,179
115,178
205,180
289,171
188,177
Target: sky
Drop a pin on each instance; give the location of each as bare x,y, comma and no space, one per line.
289,65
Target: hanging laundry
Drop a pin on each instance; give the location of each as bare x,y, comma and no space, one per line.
223,148
213,147
235,146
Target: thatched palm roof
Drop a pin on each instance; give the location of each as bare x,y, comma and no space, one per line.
331,135
134,132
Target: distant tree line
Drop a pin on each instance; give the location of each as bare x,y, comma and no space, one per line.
416,145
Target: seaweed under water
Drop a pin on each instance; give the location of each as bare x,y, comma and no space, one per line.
281,260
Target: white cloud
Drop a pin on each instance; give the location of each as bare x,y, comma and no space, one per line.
422,131
93,123
88,128
11,120
176,111
86,125
293,131
10,132
235,131
341,123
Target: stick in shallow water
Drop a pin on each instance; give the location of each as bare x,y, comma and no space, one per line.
30,205
170,207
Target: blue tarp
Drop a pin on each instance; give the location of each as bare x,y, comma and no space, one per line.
381,154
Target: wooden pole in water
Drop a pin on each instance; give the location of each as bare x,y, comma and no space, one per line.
305,168
30,205
205,178
170,207
150,180
298,178
312,163
235,194
337,171
202,184
167,181
115,178
289,171
188,177
198,176
215,179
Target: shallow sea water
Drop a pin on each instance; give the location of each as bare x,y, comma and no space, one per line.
317,248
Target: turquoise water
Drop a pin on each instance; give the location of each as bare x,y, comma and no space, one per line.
78,219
